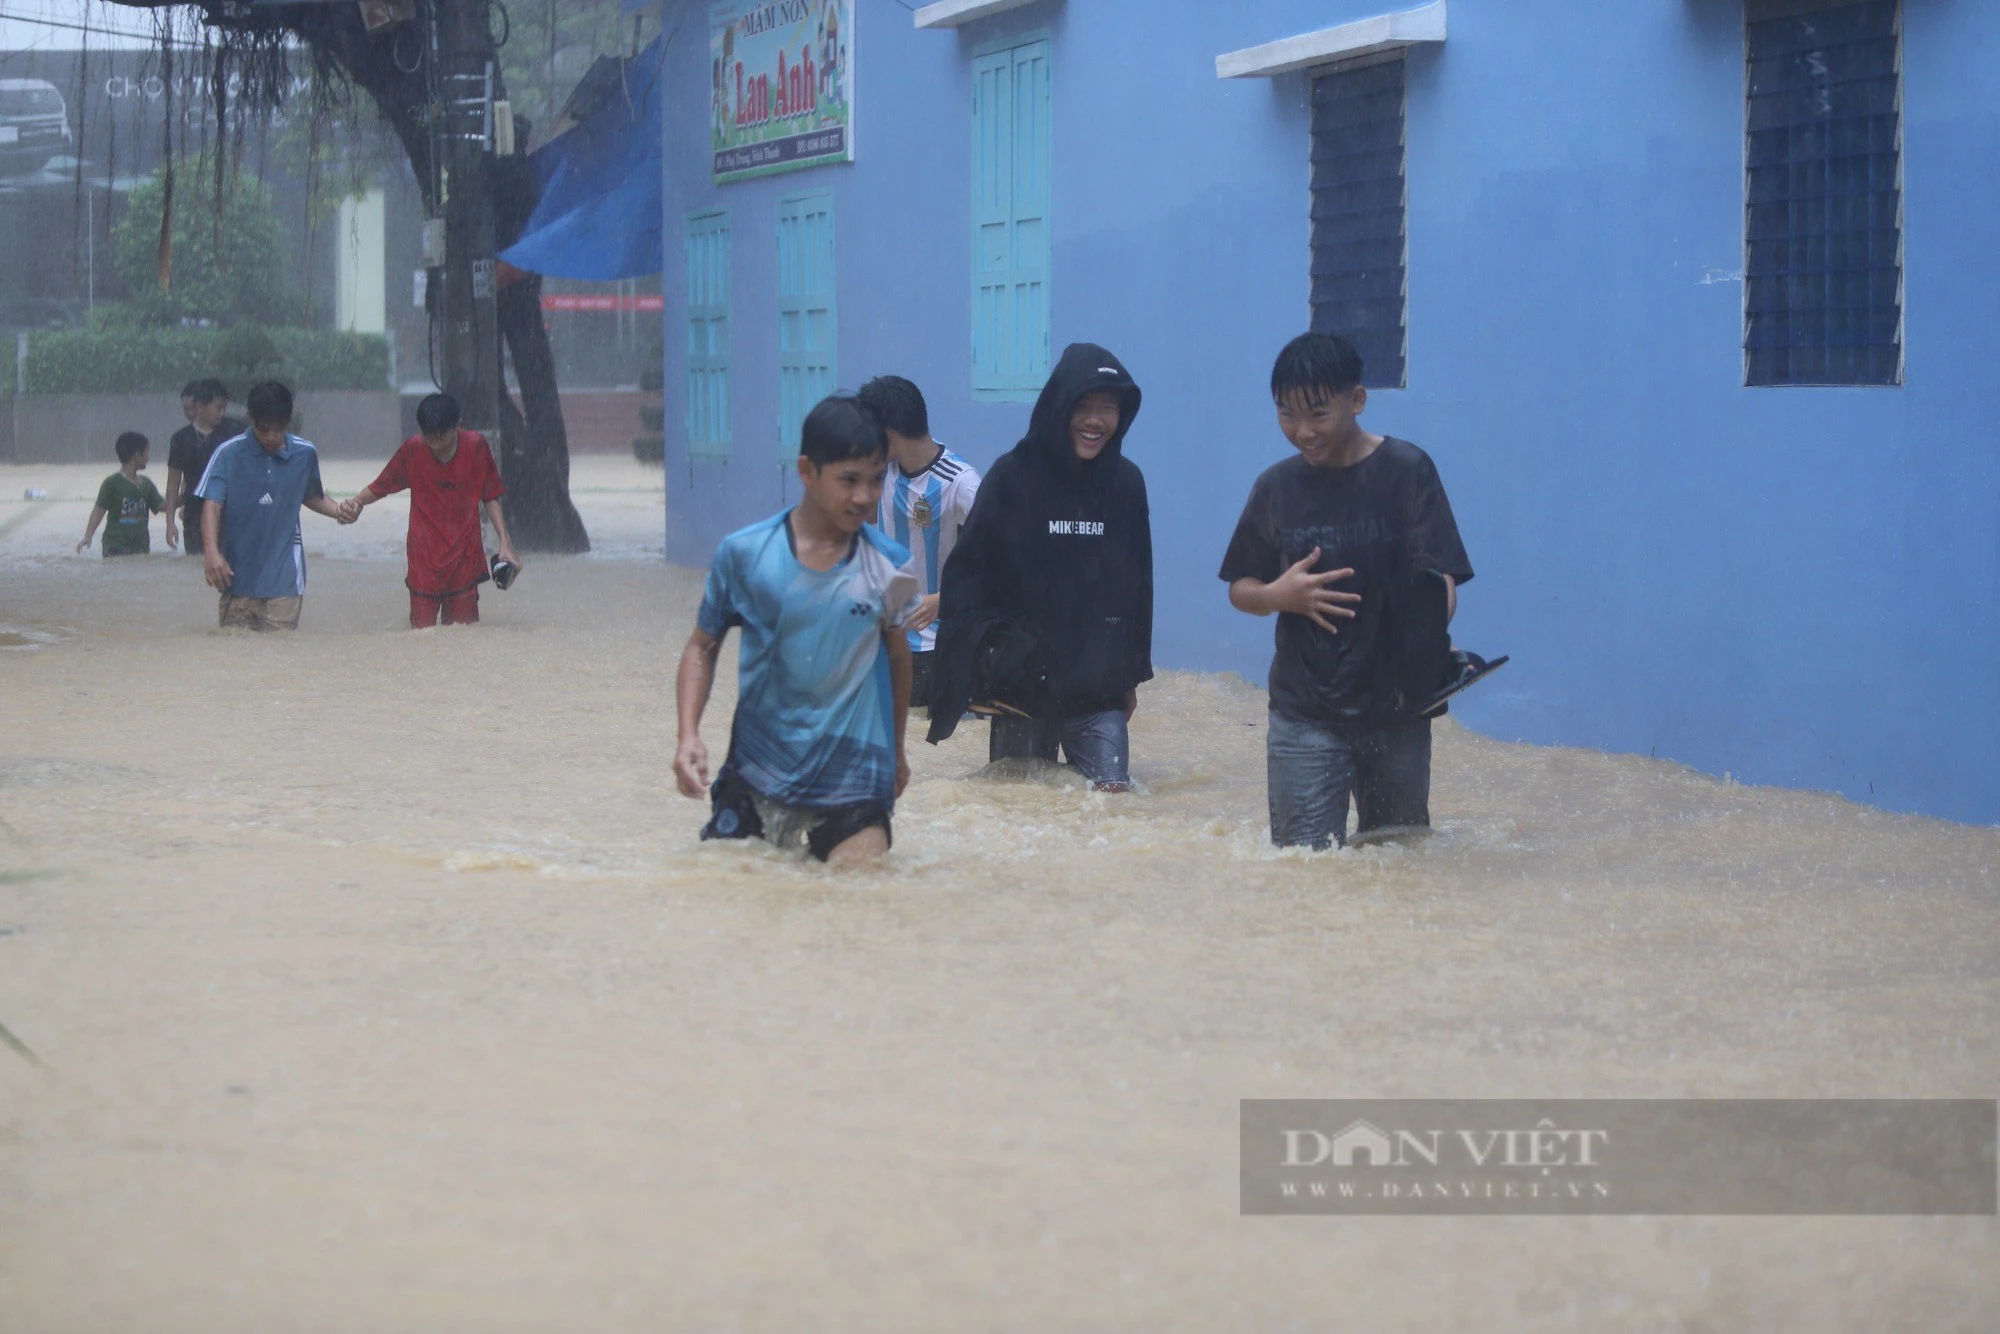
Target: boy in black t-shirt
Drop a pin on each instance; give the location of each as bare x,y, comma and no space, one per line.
188,453
1329,541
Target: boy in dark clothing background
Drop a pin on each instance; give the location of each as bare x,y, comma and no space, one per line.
1054,571
1330,540
189,451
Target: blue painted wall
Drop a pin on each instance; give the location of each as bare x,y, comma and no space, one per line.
1795,585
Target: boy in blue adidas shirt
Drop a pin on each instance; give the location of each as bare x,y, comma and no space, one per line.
254,552
824,602
925,504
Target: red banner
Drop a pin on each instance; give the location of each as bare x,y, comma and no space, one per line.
606,304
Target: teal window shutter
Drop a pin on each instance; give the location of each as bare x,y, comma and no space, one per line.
1010,220
707,244
806,315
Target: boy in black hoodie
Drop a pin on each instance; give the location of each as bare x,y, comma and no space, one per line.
1331,540
1047,601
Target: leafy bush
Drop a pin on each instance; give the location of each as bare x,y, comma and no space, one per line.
117,358
226,266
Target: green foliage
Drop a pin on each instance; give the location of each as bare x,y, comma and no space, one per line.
247,352
553,43
109,359
227,266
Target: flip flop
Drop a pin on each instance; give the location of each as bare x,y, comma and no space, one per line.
1471,669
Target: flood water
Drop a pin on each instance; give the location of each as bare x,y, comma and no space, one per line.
381,983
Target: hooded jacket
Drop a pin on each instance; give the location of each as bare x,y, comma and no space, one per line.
1057,550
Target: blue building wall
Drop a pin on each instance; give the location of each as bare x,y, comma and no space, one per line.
1794,585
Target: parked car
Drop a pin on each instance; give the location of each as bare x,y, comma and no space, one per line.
34,125
39,312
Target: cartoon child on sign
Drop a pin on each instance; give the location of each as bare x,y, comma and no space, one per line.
725,121
718,101
829,55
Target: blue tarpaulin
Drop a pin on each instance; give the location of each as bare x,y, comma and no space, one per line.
600,210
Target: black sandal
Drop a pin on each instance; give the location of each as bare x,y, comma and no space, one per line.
1469,668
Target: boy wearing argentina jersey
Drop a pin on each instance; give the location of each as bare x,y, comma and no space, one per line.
930,492
824,602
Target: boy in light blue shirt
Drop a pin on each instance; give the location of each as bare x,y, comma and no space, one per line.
823,600
254,552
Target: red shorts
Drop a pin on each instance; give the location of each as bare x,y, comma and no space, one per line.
458,609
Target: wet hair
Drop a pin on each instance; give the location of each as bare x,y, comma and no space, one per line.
840,427
130,445
897,404
437,414
270,403
206,391
192,388
1316,365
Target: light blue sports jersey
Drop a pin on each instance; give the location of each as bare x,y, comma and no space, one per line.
260,493
814,712
924,513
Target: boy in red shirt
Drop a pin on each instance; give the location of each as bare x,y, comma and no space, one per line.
449,473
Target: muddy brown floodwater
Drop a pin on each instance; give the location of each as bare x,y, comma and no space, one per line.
382,984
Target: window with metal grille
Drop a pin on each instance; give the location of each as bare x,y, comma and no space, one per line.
1358,215
1823,269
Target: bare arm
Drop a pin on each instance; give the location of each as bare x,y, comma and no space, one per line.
897,641
1450,598
214,568
90,528
495,512
322,504
691,687
173,504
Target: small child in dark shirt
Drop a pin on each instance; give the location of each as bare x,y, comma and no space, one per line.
1330,540
128,500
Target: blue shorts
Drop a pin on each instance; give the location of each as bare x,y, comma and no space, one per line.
1097,744
1313,767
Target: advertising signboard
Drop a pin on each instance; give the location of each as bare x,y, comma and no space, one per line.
782,85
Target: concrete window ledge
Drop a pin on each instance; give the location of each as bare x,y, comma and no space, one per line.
1384,32
951,13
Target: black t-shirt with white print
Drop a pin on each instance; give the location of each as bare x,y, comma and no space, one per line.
1385,517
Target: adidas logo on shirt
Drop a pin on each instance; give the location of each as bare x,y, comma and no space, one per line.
267,499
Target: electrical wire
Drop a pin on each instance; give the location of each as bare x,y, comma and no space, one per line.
396,49
89,29
77,27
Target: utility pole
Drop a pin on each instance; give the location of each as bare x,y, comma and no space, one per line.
462,42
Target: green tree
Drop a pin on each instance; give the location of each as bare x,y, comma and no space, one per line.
226,265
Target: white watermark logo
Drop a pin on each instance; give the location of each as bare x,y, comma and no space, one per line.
1623,1156
1363,1144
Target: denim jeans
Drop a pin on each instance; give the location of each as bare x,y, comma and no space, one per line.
1096,743
1312,767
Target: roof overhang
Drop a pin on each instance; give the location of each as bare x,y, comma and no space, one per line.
951,13
1344,41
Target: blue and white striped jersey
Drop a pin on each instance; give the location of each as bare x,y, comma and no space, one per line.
923,513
